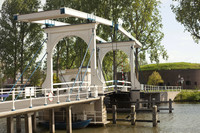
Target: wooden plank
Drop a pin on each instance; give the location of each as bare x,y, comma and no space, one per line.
158,121
165,109
126,120
128,109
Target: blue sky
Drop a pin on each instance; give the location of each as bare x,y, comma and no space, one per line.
179,44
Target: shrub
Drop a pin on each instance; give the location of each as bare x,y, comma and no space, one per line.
155,79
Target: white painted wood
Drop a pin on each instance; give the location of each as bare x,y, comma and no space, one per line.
85,31
128,48
100,39
56,23
121,29
68,12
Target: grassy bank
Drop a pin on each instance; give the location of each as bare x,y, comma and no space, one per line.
170,66
188,96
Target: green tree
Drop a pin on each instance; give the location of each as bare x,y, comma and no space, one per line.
18,41
37,78
155,79
188,14
142,19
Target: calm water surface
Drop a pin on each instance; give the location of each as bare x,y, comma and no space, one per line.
184,119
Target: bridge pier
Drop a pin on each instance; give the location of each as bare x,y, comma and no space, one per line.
28,123
18,123
68,119
34,123
10,124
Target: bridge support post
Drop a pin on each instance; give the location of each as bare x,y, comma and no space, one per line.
10,124
34,123
155,116
51,121
28,123
133,115
137,104
68,120
18,123
170,105
114,108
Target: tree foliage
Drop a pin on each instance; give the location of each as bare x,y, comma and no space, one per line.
155,79
18,41
37,78
122,63
188,14
142,19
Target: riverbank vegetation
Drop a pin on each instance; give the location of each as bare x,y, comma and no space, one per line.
188,96
170,66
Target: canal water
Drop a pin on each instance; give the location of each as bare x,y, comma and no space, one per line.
184,119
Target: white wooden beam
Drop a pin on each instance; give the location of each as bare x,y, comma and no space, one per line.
121,29
40,17
62,13
57,23
53,22
118,44
100,39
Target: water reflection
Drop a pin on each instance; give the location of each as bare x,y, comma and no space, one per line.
184,119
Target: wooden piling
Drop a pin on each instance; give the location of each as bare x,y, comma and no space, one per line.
133,115
34,123
114,111
18,123
68,120
10,124
154,116
28,123
137,104
170,105
51,121
149,102
153,102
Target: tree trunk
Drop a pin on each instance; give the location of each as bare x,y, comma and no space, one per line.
57,61
67,54
136,64
15,63
22,60
114,61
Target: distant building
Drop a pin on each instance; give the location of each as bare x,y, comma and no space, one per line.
190,77
69,75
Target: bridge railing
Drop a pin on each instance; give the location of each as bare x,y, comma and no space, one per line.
153,88
47,95
121,85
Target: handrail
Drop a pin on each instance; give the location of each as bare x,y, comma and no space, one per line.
66,83
148,88
32,94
